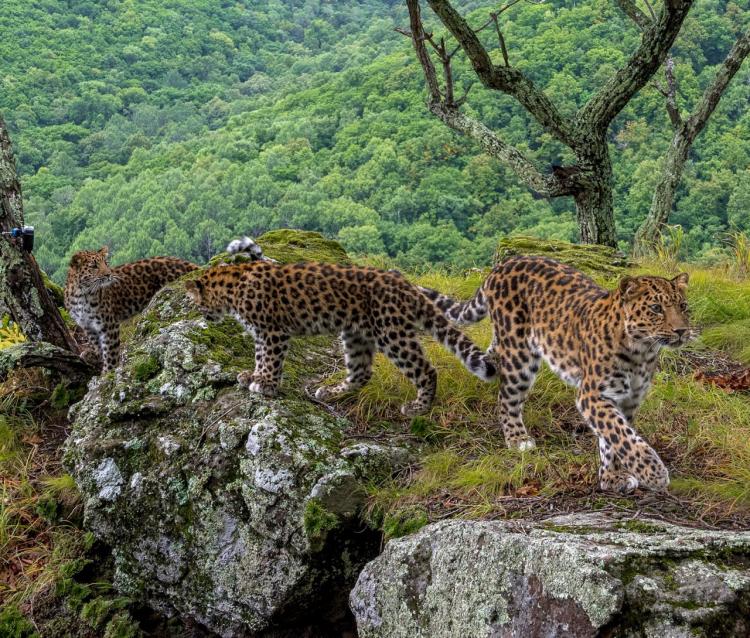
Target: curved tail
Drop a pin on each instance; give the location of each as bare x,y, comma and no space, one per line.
471,311
474,360
248,248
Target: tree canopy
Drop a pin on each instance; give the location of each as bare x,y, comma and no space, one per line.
170,127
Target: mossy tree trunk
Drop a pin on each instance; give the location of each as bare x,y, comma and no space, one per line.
23,295
685,133
589,181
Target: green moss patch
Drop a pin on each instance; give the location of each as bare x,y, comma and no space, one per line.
598,261
146,368
13,624
290,246
404,522
318,522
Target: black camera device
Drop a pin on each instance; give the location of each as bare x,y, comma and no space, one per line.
26,234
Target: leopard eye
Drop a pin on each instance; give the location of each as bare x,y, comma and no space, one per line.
684,306
656,307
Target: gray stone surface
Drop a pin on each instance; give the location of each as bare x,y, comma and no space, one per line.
235,511
572,576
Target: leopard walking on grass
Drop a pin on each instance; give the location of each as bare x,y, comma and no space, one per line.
605,343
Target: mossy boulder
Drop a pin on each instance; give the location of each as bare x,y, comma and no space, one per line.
581,575
289,246
598,261
238,512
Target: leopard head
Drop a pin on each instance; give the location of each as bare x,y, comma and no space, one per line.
90,271
203,295
656,309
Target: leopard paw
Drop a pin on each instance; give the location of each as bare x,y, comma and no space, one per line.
246,377
328,392
620,483
522,444
414,408
262,388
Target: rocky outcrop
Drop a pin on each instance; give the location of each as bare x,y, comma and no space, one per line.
234,511
572,576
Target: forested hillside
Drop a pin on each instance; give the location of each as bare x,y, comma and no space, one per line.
170,127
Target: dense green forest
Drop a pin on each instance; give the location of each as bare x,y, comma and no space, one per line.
171,126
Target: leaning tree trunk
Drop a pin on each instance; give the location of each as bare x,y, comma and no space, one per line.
663,200
23,295
685,133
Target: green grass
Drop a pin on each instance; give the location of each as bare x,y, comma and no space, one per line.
703,433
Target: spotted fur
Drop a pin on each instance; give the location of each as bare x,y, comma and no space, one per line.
99,298
370,309
604,343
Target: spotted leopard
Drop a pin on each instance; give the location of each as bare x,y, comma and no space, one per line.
99,297
370,309
604,343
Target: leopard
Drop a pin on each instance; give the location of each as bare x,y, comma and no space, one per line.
99,297
603,342
368,308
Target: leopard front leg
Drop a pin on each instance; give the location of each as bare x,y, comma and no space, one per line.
627,461
247,377
518,366
270,351
109,346
359,350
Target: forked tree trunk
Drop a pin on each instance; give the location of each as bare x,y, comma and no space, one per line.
23,295
589,182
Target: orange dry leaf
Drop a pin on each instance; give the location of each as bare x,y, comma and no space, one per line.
732,381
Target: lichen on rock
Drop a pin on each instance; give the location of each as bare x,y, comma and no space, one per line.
574,576
233,510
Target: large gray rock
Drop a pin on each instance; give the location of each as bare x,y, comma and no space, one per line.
235,511
573,576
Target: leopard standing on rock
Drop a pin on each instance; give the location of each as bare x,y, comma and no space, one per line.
370,308
99,298
604,343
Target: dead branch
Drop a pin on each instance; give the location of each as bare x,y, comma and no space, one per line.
40,354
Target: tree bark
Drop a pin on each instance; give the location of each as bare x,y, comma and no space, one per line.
684,135
589,182
594,210
23,295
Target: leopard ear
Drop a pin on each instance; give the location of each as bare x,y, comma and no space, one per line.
75,260
104,251
629,288
681,281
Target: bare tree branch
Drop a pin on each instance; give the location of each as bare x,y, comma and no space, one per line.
41,354
671,93
418,38
711,96
443,105
656,41
505,79
634,13
543,185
